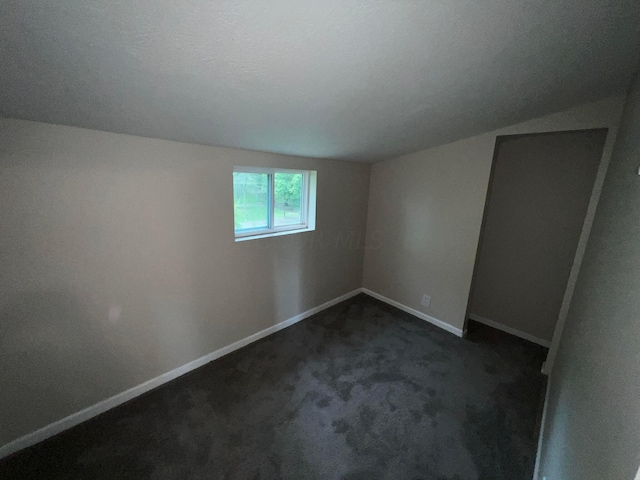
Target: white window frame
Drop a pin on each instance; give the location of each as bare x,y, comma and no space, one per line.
307,205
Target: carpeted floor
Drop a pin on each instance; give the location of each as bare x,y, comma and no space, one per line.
359,391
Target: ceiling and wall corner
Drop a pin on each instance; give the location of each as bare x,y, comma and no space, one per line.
425,213
358,81
352,80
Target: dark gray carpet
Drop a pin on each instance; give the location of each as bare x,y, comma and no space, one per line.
359,391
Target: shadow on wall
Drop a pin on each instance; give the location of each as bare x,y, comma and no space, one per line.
43,337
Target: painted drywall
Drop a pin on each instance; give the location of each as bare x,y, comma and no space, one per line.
118,262
592,428
425,213
539,194
360,79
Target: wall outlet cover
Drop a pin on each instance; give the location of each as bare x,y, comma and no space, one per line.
426,300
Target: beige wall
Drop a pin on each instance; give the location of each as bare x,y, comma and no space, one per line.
425,213
592,428
91,220
538,200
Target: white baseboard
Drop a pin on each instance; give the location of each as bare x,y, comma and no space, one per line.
536,469
120,398
416,313
512,331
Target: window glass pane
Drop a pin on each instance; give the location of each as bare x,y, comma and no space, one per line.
288,195
250,200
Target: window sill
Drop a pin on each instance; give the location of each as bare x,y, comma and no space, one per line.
274,234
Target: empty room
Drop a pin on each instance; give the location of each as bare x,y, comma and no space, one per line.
320,240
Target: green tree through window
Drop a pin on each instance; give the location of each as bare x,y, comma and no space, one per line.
272,201
288,193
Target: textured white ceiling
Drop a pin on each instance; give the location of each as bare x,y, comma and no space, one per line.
355,79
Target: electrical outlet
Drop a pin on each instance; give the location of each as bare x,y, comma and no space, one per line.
426,300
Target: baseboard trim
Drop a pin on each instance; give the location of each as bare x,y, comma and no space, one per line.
536,468
416,313
544,370
512,331
120,398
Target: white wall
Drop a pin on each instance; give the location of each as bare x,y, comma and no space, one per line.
425,212
90,220
592,427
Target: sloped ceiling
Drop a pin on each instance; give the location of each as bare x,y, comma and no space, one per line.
351,79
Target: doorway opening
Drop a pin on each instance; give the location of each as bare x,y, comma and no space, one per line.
539,191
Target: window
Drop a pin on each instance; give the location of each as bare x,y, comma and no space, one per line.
269,201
